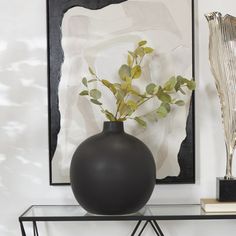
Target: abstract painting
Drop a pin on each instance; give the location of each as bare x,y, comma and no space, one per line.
98,34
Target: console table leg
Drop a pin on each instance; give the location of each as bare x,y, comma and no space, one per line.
136,228
35,229
158,228
138,225
22,229
144,226
154,228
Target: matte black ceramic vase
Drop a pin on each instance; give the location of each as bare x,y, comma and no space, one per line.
112,172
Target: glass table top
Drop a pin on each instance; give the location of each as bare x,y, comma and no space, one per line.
149,212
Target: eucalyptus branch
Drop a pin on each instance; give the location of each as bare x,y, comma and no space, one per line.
124,92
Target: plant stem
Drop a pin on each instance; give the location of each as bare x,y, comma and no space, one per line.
145,100
141,61
117,110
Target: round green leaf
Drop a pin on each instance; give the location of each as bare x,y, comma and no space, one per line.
140,52
129,61
148,50
191,85
94,101
180,103
132,104
85,82
170,84
95,93
91,71
162,112
140,121
109,85
124,72
84,93
106,83
136,72
167,106
162,96
92,80
150,88
141,43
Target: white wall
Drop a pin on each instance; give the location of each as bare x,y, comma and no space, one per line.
24,132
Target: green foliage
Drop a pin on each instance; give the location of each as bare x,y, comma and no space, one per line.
109,86
96,102
85,82
170,84
84,93
136,72
128,98
124,72
140,121
95,94
142,43
148,50
180,103
91,71
150,89
109,115
162,111
163,95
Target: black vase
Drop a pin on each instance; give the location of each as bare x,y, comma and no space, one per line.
112,172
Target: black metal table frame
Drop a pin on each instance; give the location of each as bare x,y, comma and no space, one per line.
142,221
138,230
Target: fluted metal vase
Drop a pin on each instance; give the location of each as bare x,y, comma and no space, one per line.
222,56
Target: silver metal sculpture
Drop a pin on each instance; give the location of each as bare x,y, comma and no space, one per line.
222,56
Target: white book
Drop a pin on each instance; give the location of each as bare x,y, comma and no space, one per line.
213,205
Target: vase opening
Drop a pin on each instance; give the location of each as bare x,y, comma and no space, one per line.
113,126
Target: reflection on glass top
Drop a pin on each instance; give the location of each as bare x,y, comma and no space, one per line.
174,211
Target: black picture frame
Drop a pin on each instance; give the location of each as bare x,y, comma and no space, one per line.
55,12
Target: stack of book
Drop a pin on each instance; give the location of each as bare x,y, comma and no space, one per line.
213,205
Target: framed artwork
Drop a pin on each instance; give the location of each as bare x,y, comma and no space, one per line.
98,33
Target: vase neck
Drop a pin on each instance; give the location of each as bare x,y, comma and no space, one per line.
113,126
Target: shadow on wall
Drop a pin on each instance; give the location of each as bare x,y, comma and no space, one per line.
23,116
